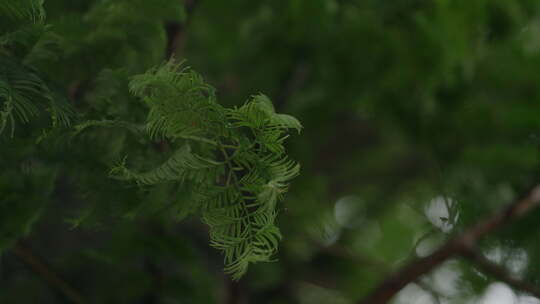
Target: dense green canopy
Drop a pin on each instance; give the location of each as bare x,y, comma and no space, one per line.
278,151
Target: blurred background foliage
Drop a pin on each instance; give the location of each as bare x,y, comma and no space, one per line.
420,117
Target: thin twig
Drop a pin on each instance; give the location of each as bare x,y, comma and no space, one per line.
47,274
455,246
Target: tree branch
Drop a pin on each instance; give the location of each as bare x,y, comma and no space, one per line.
235,292
47,274
176,31
455,246
381,266
499,272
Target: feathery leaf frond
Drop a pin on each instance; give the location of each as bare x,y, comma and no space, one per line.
23,93
232,160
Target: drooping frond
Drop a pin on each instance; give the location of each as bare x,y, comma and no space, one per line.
231,161
24,95
19,90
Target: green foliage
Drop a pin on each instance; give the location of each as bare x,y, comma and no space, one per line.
23,93
15,13
231,162
409,106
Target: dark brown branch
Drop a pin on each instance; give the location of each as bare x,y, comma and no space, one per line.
235,292
176,31
381,266
455,246
47,274
499,272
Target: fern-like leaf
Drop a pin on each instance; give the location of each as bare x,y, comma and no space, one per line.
24,95
232,162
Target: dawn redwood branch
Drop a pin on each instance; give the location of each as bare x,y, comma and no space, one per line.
455,246
176,31
499,272
47,274
235,292
381,266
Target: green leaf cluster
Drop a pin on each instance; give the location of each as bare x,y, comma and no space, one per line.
230,161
